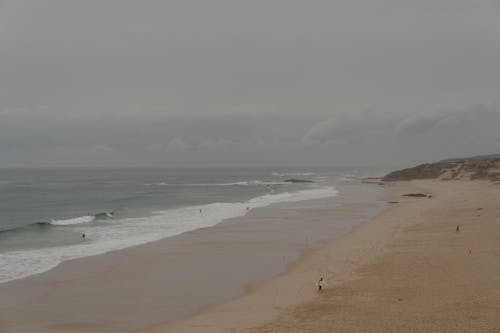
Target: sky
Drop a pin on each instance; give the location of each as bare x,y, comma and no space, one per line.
247,83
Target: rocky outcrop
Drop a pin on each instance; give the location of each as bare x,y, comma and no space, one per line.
294,180
417,195
479,167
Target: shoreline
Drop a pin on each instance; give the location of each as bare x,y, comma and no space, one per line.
356,266
214,317
187,218
269,237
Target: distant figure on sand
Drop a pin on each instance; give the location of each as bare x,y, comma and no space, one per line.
458,228
200,210
83,235
320,284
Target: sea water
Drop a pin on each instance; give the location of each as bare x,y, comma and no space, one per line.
48,216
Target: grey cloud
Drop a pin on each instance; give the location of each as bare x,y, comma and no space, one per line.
451,120
370,125
193,82
418,124
177,144
32,129
433,134
326,130
354,127
358,137
102,148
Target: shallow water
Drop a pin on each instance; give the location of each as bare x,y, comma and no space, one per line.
45,212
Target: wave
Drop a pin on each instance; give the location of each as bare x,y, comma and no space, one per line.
102,238
35,225
292,174
241,183
83,219
348,177
104,215
42,225
74,220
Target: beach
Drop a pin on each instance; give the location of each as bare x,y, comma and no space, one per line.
249,166
172,278
408,269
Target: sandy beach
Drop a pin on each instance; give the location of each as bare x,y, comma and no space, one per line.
132,288
249,166
407,270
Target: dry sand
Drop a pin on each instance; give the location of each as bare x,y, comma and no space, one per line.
407,270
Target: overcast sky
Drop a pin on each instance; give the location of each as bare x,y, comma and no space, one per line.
272,82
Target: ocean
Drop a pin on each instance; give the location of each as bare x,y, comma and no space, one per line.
48,216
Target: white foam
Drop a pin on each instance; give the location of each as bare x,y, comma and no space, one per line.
241,183
261,182
291,174
134,231
75,220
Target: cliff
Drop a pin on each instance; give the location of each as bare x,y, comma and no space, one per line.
485,167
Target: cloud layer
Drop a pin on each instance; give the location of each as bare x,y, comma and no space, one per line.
255,82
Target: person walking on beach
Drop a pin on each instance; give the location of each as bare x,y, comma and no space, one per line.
320,284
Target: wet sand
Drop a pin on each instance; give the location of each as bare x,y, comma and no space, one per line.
128,289
407,270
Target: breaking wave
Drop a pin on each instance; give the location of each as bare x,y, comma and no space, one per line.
127,232
242,183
